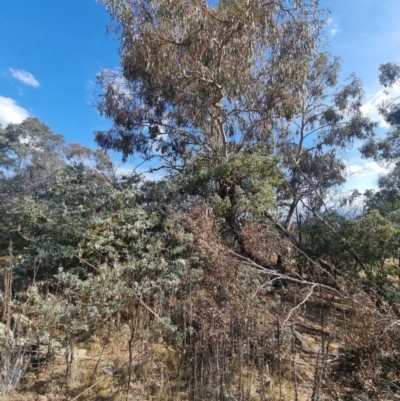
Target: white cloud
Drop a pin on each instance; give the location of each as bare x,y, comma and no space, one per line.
10,112
371,107
90,84
365,176
128,169
120,171
334,31
25,77
333,26
369,168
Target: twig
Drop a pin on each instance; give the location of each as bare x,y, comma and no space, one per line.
151,310
272,272
301,303
96,269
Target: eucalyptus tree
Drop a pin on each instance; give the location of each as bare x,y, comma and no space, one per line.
29,154
199,89
387,199
39,170
308,140
197,79
387,147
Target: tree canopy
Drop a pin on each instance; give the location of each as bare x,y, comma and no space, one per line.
206,80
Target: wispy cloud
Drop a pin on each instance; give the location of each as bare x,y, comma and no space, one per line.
25,77
333,26
369,168
146,174
365,175
90,84
10,112
371,107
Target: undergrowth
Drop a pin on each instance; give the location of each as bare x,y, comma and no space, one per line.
212,326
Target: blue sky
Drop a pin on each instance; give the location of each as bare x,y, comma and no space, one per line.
63,45
51,51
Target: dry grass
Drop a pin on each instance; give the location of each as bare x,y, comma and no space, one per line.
161,371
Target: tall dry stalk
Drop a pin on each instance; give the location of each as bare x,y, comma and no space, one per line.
14,358
7,286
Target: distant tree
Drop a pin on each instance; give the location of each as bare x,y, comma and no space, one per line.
29,154
34,162
359,244
387,199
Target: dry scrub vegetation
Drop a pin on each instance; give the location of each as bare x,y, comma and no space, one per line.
232,329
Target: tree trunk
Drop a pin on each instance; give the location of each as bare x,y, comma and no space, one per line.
289,218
